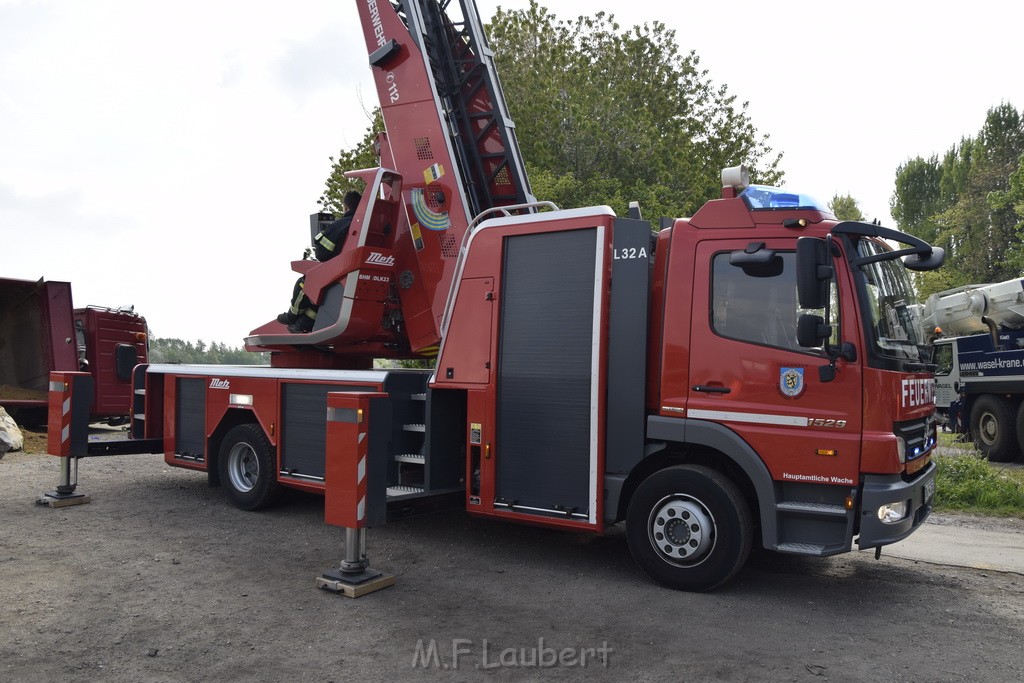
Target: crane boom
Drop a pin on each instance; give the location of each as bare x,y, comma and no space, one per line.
964,310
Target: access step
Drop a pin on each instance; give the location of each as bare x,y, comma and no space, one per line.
412,458
812,509
396,492
801,548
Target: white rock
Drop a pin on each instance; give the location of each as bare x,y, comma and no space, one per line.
11,438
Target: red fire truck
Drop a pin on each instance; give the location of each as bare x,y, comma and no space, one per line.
747,375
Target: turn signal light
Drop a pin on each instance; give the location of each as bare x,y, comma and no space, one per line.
827,451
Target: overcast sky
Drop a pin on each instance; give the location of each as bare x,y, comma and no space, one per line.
168,155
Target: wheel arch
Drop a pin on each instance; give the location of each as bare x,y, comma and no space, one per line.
678,441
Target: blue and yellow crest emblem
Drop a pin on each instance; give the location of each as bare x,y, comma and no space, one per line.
791,381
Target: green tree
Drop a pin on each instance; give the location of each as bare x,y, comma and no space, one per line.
1012,200
845,208
917,198
165,350
607,116
967,203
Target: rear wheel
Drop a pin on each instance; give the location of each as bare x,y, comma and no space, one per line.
689,528
993,428
248,468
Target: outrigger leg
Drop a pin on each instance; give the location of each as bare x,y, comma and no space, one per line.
67,434
345,498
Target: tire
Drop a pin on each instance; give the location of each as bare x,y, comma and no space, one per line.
697,556
993,428
248,468
1020,431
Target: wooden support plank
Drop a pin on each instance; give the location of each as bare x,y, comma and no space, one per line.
63,501
355,590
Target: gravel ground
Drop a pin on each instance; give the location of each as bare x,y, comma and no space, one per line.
159,579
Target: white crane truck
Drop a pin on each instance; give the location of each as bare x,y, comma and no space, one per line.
979,353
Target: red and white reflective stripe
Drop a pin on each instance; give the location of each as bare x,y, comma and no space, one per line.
361,479
346,497
58,435
65,423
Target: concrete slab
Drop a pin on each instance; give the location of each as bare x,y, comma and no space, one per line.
996,545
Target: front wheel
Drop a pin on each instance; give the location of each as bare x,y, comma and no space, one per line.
689,528
992,425
248,469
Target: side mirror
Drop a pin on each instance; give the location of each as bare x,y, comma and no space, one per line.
813,272
811,330
925,261
757,260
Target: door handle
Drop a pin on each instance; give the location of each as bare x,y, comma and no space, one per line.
705,389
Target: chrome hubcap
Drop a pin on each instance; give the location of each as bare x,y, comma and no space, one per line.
989,429
243,467
681,529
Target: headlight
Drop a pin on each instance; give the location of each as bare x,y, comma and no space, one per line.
901,450
893,512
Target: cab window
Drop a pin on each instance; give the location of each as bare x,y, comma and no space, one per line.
943,358
759,304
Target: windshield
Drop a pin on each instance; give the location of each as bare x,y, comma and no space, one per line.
895,318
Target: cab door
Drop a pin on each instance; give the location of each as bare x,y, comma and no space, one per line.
748,373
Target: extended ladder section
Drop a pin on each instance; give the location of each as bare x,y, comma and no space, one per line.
449,136
471,100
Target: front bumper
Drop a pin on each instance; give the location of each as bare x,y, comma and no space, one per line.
881,489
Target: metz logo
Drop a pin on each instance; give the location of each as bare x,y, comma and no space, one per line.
219,384
378,259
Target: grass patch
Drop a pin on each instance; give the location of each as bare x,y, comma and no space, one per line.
967,483
950,441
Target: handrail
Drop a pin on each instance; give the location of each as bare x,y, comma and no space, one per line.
507,209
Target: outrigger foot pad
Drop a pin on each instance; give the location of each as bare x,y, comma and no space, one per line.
62,500
354,585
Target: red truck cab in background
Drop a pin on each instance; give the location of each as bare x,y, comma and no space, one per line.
41,333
